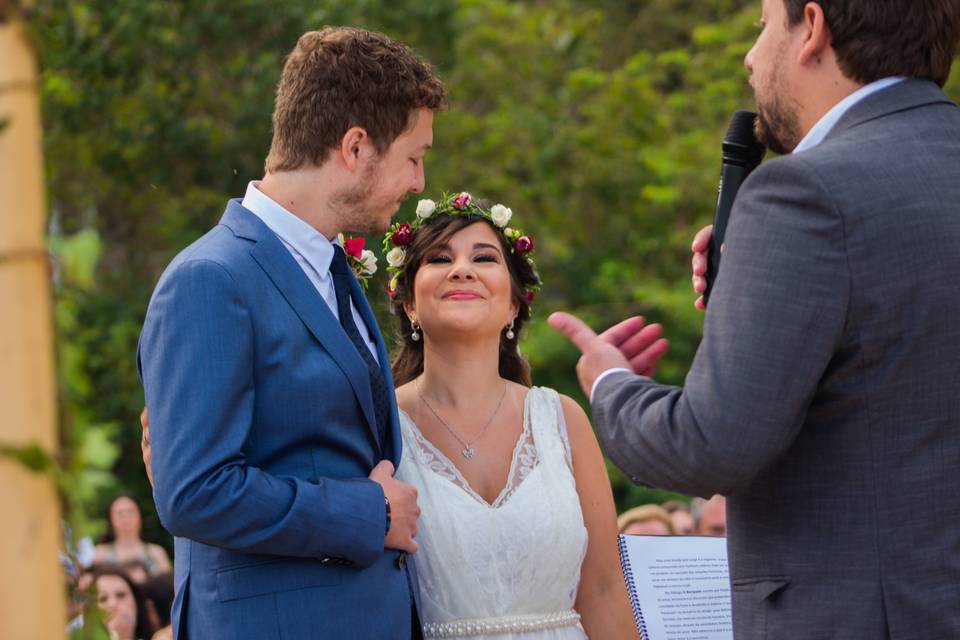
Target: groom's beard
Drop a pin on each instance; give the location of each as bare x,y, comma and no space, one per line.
360,208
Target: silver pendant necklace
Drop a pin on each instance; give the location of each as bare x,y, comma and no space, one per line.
468,450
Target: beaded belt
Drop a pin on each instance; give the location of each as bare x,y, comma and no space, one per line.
504,624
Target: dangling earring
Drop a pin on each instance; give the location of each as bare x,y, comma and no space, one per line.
510,334
415,334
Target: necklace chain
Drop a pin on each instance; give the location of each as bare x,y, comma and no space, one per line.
468,450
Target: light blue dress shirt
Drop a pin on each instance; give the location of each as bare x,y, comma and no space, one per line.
312,251
814,137
825,124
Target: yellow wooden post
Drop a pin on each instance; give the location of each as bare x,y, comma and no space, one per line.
32,589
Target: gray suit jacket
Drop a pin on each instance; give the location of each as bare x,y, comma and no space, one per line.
824,399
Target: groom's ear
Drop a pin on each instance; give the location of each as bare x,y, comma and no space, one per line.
356,148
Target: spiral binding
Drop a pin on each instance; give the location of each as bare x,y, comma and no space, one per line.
631,587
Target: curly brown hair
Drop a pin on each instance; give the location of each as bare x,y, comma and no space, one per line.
408,363
341,77
876,39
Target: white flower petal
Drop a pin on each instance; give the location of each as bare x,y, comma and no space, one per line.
500,215
425,208
396,256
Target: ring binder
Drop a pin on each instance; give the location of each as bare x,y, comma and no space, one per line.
679,586
631,588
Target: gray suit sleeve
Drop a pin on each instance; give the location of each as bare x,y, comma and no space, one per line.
775,319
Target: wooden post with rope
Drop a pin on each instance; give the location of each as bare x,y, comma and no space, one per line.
32,603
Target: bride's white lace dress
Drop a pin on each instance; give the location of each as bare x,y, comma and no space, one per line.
507,570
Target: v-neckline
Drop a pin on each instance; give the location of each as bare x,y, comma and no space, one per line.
461,481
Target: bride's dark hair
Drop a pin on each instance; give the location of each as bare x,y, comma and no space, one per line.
408,363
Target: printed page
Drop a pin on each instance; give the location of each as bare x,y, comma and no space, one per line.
682,585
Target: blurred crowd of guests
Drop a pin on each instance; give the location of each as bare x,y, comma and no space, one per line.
701,517
129,580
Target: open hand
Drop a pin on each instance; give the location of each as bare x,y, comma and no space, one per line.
630,344
404,511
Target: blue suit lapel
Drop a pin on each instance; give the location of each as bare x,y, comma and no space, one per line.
300,293
360,299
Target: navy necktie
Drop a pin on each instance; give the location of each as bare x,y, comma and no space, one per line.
378,386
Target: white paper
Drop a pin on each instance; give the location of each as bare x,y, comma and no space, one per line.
682,585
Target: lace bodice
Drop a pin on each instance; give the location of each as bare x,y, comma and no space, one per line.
519,556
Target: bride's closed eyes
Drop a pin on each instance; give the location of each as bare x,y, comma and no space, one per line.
483,253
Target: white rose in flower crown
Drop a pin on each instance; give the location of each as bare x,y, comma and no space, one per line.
396,256
369,260
500,215
425,209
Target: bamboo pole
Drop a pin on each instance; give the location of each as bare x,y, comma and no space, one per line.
32,589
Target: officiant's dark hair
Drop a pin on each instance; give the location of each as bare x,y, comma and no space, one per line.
338,78
876,39
408,363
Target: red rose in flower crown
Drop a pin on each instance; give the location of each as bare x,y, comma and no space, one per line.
402,236
461,201
524,244
354,247
530,296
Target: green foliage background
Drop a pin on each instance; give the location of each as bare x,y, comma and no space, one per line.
597,121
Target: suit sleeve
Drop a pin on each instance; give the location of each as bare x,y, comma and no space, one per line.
776,317
196,354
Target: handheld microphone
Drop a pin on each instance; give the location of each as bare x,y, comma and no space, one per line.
742,153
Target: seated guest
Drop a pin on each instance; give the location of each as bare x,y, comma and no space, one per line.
710,516
158,592
680,516
119,598
136,568
647,519
122,542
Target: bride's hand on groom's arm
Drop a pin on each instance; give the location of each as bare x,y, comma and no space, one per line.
404,511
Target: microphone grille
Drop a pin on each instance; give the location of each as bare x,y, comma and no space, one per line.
741,129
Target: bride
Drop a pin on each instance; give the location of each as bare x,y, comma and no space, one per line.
518,532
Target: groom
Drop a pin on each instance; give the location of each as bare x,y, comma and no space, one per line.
823,399
273,425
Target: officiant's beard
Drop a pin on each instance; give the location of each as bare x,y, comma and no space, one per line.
778,124
778,127
361,209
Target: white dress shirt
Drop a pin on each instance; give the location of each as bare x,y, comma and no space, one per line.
312,251
814,137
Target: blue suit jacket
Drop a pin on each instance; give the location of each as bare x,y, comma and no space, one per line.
263,435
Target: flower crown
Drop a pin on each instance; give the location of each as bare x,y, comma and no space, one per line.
456,204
